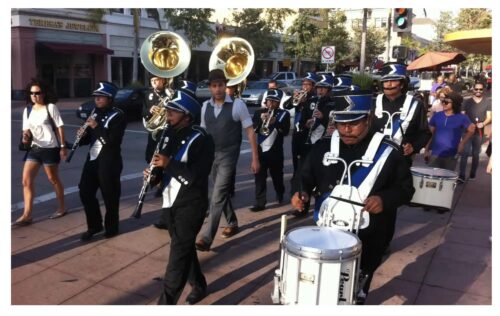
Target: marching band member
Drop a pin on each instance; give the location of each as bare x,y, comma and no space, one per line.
401,116
409,127
286,100
271,125
299,147
384,185
151,105
186,161
104,164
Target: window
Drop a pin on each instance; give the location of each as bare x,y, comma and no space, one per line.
114,10
152,13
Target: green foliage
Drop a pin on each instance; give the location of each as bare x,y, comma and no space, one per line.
375,43
275,18
477,18
445,25
300,35
364,81
194,23
251,26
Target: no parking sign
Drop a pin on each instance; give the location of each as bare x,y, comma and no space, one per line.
328,54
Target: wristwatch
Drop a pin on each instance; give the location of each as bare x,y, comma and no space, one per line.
63,145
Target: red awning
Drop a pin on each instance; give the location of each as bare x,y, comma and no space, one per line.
80,48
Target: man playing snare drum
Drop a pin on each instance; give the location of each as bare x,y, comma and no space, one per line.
383,185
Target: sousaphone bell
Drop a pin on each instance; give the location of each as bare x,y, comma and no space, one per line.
234,56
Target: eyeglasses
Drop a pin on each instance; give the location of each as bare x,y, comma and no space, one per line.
443,101
35,92
478,89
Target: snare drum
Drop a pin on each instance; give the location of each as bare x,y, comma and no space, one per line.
433,186
320,266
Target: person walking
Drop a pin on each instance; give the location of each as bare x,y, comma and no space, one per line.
104,164
185,161
224,118
478,109
43,125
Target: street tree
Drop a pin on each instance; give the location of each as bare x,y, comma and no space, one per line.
275,18
445,24
299,36
474,18
375,43
334,34
251,25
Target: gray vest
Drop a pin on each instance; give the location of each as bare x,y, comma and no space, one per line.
224,130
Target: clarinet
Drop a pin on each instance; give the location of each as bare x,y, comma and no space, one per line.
78,138
314,125
145,184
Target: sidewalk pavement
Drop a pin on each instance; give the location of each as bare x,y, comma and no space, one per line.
442,259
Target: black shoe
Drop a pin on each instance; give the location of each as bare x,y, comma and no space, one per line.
89,234
201,245
461,180
300,214
280,198
257,208
196,295
160,225
110,234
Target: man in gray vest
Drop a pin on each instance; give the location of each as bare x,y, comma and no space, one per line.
224,118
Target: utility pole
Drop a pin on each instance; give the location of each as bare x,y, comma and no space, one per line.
389,27
363,42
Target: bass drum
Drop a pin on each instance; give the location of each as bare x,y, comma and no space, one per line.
320,266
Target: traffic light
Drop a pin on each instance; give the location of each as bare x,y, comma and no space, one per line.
402,20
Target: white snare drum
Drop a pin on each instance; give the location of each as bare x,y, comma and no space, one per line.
320,266
433,186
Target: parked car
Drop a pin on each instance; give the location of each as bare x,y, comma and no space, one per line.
252,95
202,91
130,100
284,76
414,83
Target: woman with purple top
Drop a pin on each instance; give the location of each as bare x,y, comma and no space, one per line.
447,128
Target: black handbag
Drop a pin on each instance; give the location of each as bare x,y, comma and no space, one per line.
22,146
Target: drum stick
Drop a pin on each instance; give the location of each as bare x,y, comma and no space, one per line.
347,201
283,227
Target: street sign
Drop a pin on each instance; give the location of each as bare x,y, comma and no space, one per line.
286,62
328,55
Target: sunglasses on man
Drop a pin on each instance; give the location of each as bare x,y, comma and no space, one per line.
480,89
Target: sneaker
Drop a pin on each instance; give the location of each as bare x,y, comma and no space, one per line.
230,231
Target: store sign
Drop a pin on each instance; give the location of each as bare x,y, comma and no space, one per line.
63,25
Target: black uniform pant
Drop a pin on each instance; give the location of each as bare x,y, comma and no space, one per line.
299,152
273,161
373,248
104,176
184,223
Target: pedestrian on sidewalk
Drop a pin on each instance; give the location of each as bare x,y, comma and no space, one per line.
478,109
271,125
104,164
447,128
43,125
185,162
224,118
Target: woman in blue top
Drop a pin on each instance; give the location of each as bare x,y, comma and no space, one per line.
447,128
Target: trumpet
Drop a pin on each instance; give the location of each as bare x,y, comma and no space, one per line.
264,129
299,98
79,137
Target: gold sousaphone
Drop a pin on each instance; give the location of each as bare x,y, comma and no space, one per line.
234,56
164,54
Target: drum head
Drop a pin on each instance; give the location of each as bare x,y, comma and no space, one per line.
325,243
434,173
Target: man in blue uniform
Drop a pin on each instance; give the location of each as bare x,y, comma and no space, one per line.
383,185
271,125
104,164
185,160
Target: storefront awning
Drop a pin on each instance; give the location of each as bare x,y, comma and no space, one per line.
66,48
471,41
